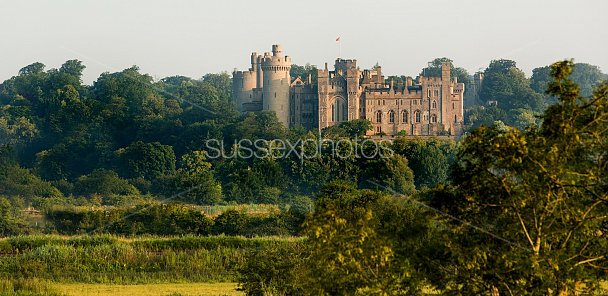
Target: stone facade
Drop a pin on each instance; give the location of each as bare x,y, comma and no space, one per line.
431,107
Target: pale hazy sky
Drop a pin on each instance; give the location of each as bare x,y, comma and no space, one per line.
192,38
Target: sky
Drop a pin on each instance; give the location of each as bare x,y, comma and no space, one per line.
192,38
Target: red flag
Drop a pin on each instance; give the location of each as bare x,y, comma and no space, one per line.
338,39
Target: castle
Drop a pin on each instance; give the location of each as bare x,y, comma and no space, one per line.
431,107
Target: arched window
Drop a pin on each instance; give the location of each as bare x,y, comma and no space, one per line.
434,104
379,116
391,116
433,118
339,110
404,116
417,115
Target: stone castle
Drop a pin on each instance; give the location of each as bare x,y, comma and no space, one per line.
431,107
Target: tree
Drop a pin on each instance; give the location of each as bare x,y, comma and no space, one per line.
9,225
346,254
434,70
507,85
586,76
147,160
222,82
430,160
541,193
351,129
194,181
105,182
303,72
392,172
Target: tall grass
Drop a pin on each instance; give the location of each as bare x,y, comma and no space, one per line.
25,287
111,259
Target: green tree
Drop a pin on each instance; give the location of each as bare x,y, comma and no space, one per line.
350,129
434,70
147,160
303,72
507,85
9,224
541,193
430,160
392,172
586,76
347,256
105,182
195,181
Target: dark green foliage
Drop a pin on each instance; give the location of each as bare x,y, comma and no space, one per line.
430,160
160,219
194,182
349,129
390,172
358,242
15,180
542,195
303,72
103,182
586,76
507,85
434,70
273,270
9,224
147,160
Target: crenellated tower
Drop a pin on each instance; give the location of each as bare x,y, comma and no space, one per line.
276,83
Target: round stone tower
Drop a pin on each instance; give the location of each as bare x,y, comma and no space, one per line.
243,83
275,91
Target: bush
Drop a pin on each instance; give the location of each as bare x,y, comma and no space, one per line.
103,182
274,270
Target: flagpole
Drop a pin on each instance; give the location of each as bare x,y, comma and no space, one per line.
339,41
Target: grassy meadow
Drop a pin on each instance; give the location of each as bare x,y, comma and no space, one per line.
71,289
112,265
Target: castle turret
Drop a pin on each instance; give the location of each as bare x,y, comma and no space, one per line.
276,83
243,83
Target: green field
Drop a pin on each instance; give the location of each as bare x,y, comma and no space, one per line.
112,265
148,289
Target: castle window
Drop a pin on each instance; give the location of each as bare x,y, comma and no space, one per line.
455,118
453,106
417,115
391,117
379,116
429,93
436,93
434,118
404,116
434,105
332,112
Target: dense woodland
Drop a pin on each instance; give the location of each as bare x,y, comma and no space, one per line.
518,205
